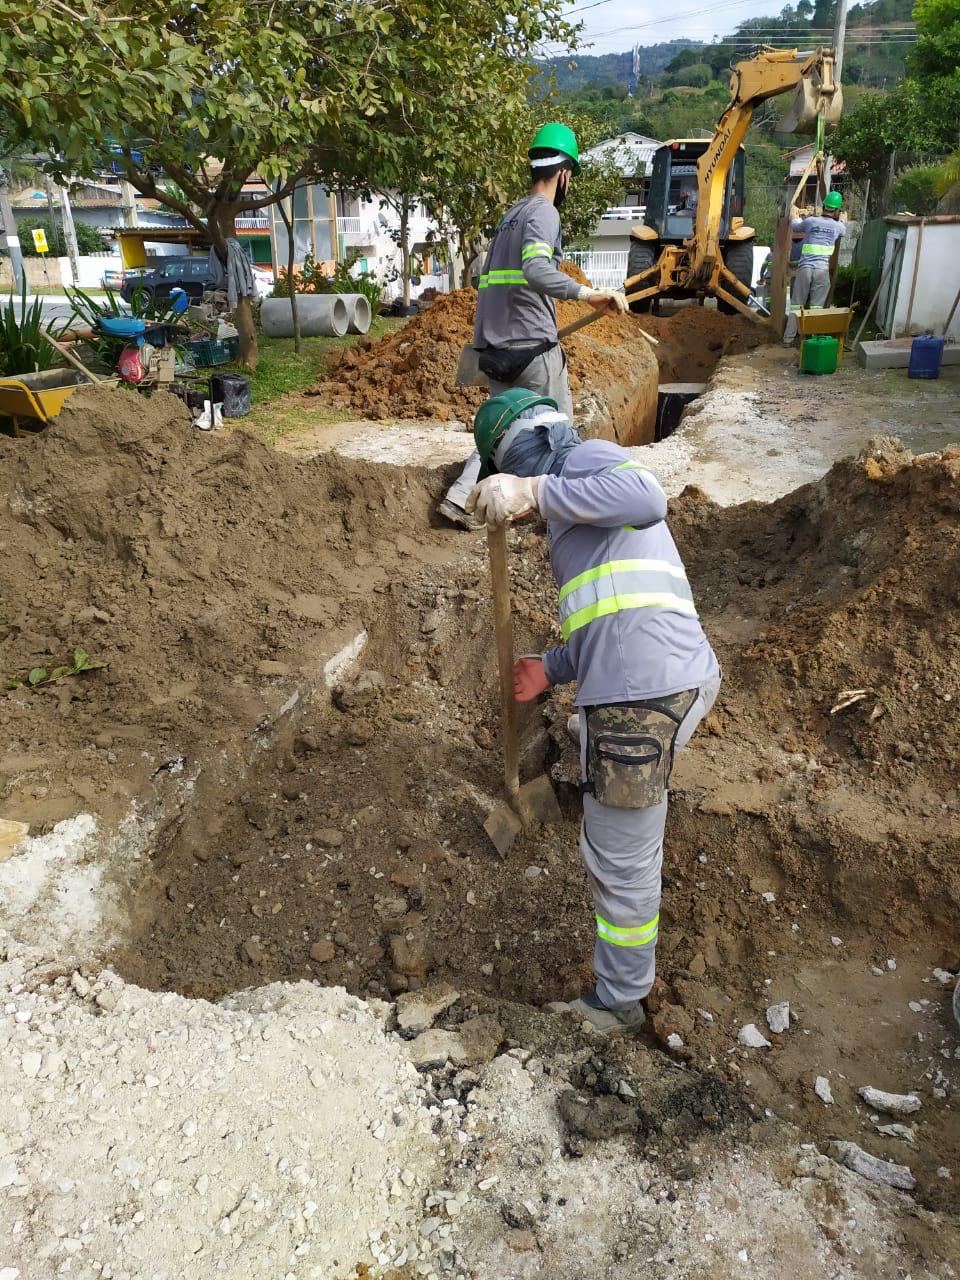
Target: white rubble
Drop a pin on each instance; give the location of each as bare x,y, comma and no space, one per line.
903,1131
821,1087
753,1037
416,1010
868,1166
778,1017
895,1104
155,1135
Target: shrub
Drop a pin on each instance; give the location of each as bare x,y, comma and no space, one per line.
919,189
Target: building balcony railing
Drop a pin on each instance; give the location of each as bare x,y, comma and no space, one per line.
252,222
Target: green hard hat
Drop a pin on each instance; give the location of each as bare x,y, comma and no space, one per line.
494,417
833,200
557,137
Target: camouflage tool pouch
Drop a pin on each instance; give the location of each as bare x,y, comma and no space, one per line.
630,749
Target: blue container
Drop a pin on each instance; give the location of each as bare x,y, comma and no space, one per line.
120,326
925,357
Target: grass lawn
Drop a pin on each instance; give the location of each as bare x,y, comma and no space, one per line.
282,376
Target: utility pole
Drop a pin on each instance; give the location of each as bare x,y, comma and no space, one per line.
129,198
839,37
70,235
11,240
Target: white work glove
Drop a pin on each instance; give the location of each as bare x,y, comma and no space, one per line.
609,300
502,498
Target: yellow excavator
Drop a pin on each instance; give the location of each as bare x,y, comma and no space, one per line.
693,241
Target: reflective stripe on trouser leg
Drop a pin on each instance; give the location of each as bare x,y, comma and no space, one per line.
622,850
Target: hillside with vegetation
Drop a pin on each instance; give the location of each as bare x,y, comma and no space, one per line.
901,97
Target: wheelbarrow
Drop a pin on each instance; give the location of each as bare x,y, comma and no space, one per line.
41,396
37,396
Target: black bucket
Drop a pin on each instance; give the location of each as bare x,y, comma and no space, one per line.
231,390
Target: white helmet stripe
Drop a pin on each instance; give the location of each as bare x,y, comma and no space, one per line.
543,161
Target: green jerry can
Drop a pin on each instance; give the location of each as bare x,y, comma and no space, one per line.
819,354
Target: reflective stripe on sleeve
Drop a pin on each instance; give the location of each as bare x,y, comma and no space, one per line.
633,936
536,249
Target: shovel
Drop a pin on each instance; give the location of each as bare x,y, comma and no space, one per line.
534,801
468,370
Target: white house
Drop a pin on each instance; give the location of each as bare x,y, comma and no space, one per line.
605,262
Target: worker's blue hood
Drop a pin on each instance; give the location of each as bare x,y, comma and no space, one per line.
592,456
543,450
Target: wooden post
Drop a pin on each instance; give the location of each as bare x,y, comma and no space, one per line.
779,271
334,235
913,281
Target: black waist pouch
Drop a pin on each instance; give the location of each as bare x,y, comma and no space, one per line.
505,364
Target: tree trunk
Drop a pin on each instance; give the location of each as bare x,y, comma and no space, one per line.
291,279
405,248
224,230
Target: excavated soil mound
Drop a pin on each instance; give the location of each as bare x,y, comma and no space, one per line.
202,569
412,373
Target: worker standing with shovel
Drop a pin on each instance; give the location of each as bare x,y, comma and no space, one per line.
515,333
811,285
646,676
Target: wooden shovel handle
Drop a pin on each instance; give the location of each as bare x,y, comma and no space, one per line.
69,356
503,629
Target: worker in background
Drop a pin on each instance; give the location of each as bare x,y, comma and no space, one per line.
646,674
811,285
516,325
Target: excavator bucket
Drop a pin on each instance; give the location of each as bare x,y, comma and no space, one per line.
810,100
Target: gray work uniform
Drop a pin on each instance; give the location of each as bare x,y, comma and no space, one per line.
516,309
811,284
644,668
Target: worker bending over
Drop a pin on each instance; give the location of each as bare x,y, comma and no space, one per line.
811,284
645,672
516,326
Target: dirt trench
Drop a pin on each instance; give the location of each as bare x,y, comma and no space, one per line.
340,839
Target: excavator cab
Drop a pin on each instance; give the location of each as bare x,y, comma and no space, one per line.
672,194
670,215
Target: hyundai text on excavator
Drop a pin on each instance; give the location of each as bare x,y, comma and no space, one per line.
693,241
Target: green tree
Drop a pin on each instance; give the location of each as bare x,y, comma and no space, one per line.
89,239
937,51
206,95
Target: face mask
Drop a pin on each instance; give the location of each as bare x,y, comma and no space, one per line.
561,192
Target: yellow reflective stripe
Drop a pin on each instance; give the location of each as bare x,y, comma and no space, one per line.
619,566
634,936
536,249
630,466
816,251
616,604
502,277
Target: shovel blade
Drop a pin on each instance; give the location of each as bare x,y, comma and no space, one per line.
468,370
502,826
537,802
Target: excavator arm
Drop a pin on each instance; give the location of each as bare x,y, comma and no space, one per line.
769,73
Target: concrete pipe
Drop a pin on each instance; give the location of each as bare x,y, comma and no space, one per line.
360,314
321,315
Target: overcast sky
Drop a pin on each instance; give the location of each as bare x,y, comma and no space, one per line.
614,25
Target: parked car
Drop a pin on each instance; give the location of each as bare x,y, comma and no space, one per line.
189,274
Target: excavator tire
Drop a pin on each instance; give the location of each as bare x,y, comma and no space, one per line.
738,258
642,255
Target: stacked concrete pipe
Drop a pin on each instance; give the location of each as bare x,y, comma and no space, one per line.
320,314
358,306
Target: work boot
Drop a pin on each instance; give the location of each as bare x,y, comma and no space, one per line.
607,1021
457,515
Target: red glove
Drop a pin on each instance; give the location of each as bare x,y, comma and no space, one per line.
529,679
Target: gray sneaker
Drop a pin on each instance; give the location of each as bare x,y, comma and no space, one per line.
590,1007
457,515
573,726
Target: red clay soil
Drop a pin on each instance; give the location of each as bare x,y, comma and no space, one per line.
412,373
